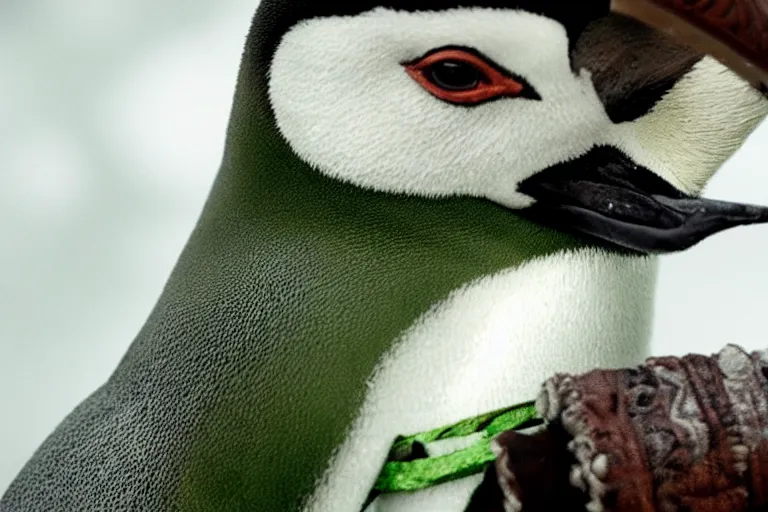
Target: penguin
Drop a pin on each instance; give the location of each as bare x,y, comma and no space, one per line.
424,209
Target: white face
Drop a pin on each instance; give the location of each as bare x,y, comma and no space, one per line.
345,101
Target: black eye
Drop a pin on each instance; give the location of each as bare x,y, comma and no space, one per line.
463,76
454,75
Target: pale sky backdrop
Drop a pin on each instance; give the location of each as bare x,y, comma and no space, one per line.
112,118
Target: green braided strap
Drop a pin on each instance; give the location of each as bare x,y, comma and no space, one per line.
400,474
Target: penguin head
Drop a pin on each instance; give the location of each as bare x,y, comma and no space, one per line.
574,117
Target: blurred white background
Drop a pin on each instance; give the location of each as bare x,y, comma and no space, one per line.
112,118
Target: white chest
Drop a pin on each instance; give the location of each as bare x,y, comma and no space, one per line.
489,345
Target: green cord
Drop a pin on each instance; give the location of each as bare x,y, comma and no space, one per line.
410,475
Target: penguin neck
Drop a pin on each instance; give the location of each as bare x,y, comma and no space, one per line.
309,283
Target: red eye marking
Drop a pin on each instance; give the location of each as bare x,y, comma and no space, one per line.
464,77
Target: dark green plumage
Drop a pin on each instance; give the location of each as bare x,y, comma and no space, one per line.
360,267
251,366
293,285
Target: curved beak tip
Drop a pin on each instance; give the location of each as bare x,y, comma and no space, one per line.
605,196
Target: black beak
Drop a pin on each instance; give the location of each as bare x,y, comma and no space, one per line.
605,195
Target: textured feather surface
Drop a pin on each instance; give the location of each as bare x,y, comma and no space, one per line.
254,365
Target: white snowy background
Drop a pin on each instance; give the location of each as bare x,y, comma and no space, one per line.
112,118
